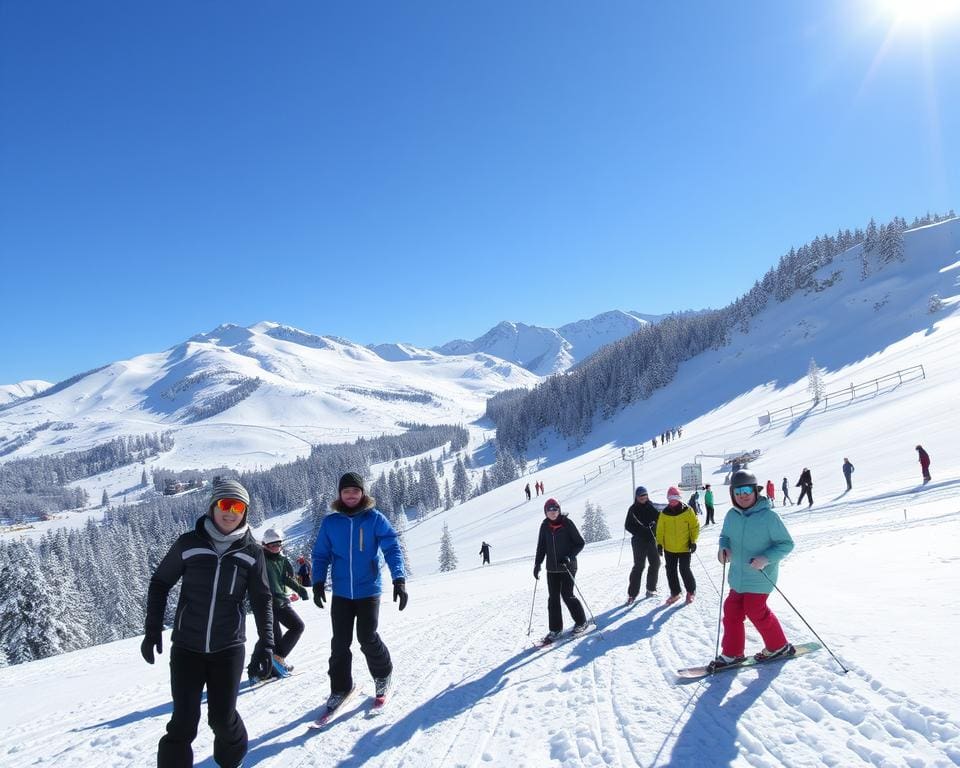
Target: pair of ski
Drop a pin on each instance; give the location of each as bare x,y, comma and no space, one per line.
698,673
329,714
568,635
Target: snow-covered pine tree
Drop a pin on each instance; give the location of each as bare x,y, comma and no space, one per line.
448,558
600,528
815,385
589,522
30,627
143,478
447,497
105,499
400,526
461,483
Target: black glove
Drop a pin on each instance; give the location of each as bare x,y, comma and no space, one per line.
150,641
400,591
660,550
536,572
693,547
263,662
302,593
565,561
319,595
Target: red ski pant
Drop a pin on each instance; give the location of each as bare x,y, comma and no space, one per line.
753,606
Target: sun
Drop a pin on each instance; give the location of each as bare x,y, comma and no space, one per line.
920,13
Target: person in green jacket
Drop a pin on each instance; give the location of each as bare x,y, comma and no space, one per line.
708,503
280,575
753,541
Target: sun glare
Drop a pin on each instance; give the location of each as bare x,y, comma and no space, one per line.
920,13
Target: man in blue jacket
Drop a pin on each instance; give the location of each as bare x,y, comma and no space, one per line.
351,540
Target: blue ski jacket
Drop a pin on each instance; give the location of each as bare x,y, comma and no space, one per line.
352,545
751,532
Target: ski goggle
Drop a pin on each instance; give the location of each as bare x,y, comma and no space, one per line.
744,490
232,505
553,509
273,543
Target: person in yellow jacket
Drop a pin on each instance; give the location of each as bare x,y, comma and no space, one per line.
677,532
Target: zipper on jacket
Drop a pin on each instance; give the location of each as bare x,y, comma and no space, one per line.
233,581
213,603
351,558
361,538
183,610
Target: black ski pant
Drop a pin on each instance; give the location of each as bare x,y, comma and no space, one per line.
366,613
681,561
560,585
710,520
849,482
644,552
283,616
806,490
220,672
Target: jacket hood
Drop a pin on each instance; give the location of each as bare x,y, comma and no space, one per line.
680,508
366,502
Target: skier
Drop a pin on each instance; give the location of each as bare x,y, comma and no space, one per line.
785,487
280,576
559,542
771,492
350,540
641,523
485,553
847,472
924,463
526,490
208,634
753,539
694,503
708,503
805,484
654,441
303,572
677,532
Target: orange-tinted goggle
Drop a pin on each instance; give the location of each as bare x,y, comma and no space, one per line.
232,505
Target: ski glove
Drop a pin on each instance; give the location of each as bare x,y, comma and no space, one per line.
400,591
319,595
759,562
263,662
536,572
150,641
660,550
723,556
565,561
302,593
692,547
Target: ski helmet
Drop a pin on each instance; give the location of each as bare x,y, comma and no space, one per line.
272,536
740,478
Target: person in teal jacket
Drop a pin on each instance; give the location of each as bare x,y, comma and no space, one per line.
752,542
349,543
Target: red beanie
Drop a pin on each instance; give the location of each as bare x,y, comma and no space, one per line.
551,503
673,494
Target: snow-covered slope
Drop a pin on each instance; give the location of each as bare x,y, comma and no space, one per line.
550,350
12,392
256,396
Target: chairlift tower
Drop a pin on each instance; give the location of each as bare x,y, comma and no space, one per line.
633,455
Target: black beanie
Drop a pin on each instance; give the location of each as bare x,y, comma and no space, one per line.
350,480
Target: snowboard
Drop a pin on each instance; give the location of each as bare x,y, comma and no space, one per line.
328,715
698,673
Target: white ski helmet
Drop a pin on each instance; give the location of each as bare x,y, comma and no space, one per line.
272,536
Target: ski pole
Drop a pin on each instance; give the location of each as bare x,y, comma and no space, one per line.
619,559
530,625
845,670
593,619
723,580
709,577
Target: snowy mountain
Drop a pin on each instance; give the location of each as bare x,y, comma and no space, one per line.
545,351
10,393
256,396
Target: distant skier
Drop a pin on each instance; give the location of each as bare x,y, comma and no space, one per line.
847,473
708,503
654,441
694,503
559,542
924,463
208,634
526,490
785,487
303,572
753,539
677,532
805,484
771,492
350,540
280,575
641,523
485,553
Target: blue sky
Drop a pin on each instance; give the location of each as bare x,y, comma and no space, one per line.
419,171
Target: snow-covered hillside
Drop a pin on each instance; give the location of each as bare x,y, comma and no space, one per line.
871,575
10,393
550,350
248,397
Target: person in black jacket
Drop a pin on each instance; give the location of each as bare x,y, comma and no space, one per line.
805,484
219,564
485,553
641,523
559,542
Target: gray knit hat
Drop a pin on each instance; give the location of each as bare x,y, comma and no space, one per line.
350,480
225,488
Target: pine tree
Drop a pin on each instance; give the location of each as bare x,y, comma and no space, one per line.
105,499
448,558
447,497
30,627
815,385
461,483
143,478
589,523
601,530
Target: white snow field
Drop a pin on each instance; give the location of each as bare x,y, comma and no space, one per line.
874,573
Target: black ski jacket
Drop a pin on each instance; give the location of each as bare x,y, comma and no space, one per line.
210,613
556,541
641,521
